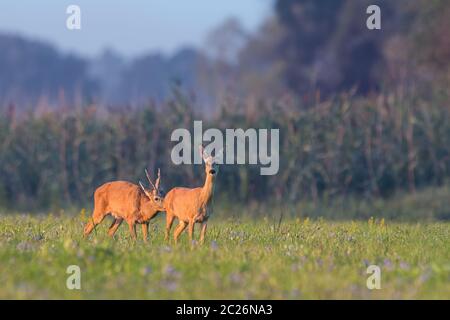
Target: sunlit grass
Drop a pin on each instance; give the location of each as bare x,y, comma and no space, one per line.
242,259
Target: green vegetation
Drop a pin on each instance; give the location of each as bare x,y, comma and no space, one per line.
364,147
242,258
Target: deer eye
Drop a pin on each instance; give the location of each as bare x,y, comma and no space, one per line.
156,198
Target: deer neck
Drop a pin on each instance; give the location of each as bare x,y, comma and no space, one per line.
207,189
144,201
147,205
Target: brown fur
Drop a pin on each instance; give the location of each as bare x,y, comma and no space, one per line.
124,201
191,205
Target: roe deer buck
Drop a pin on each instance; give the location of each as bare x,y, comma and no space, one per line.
190,205
126,201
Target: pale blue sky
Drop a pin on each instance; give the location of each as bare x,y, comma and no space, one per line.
132,27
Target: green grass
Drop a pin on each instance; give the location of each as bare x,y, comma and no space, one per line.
241,259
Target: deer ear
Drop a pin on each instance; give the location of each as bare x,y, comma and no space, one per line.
203,153
218,154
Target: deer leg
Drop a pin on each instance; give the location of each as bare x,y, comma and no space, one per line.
132,227
203,232
114,221
181,226
114,226
145,231
96,218
88,228
169,222
191,230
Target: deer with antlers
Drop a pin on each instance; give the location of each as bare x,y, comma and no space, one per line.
126,201
192,205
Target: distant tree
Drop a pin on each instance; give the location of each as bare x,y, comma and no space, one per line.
309,25
108,69
327,45
152,77
431,38
222,46
225,41
262,67
31,70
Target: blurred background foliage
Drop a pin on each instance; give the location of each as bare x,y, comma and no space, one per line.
361,113
348,145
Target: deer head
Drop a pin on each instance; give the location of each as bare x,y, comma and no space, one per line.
211,163
155,195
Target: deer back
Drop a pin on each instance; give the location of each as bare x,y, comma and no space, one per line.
120,198
184,203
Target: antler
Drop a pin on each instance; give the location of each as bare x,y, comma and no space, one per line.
150,180
145,191
158,180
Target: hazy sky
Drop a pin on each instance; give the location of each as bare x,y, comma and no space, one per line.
130,26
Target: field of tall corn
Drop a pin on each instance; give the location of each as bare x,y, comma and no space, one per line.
345,146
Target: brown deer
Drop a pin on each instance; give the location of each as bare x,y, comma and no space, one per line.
192,205
126,201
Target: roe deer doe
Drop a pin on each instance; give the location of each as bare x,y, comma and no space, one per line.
126,201
190,205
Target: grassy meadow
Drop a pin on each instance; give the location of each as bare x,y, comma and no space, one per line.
243,258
